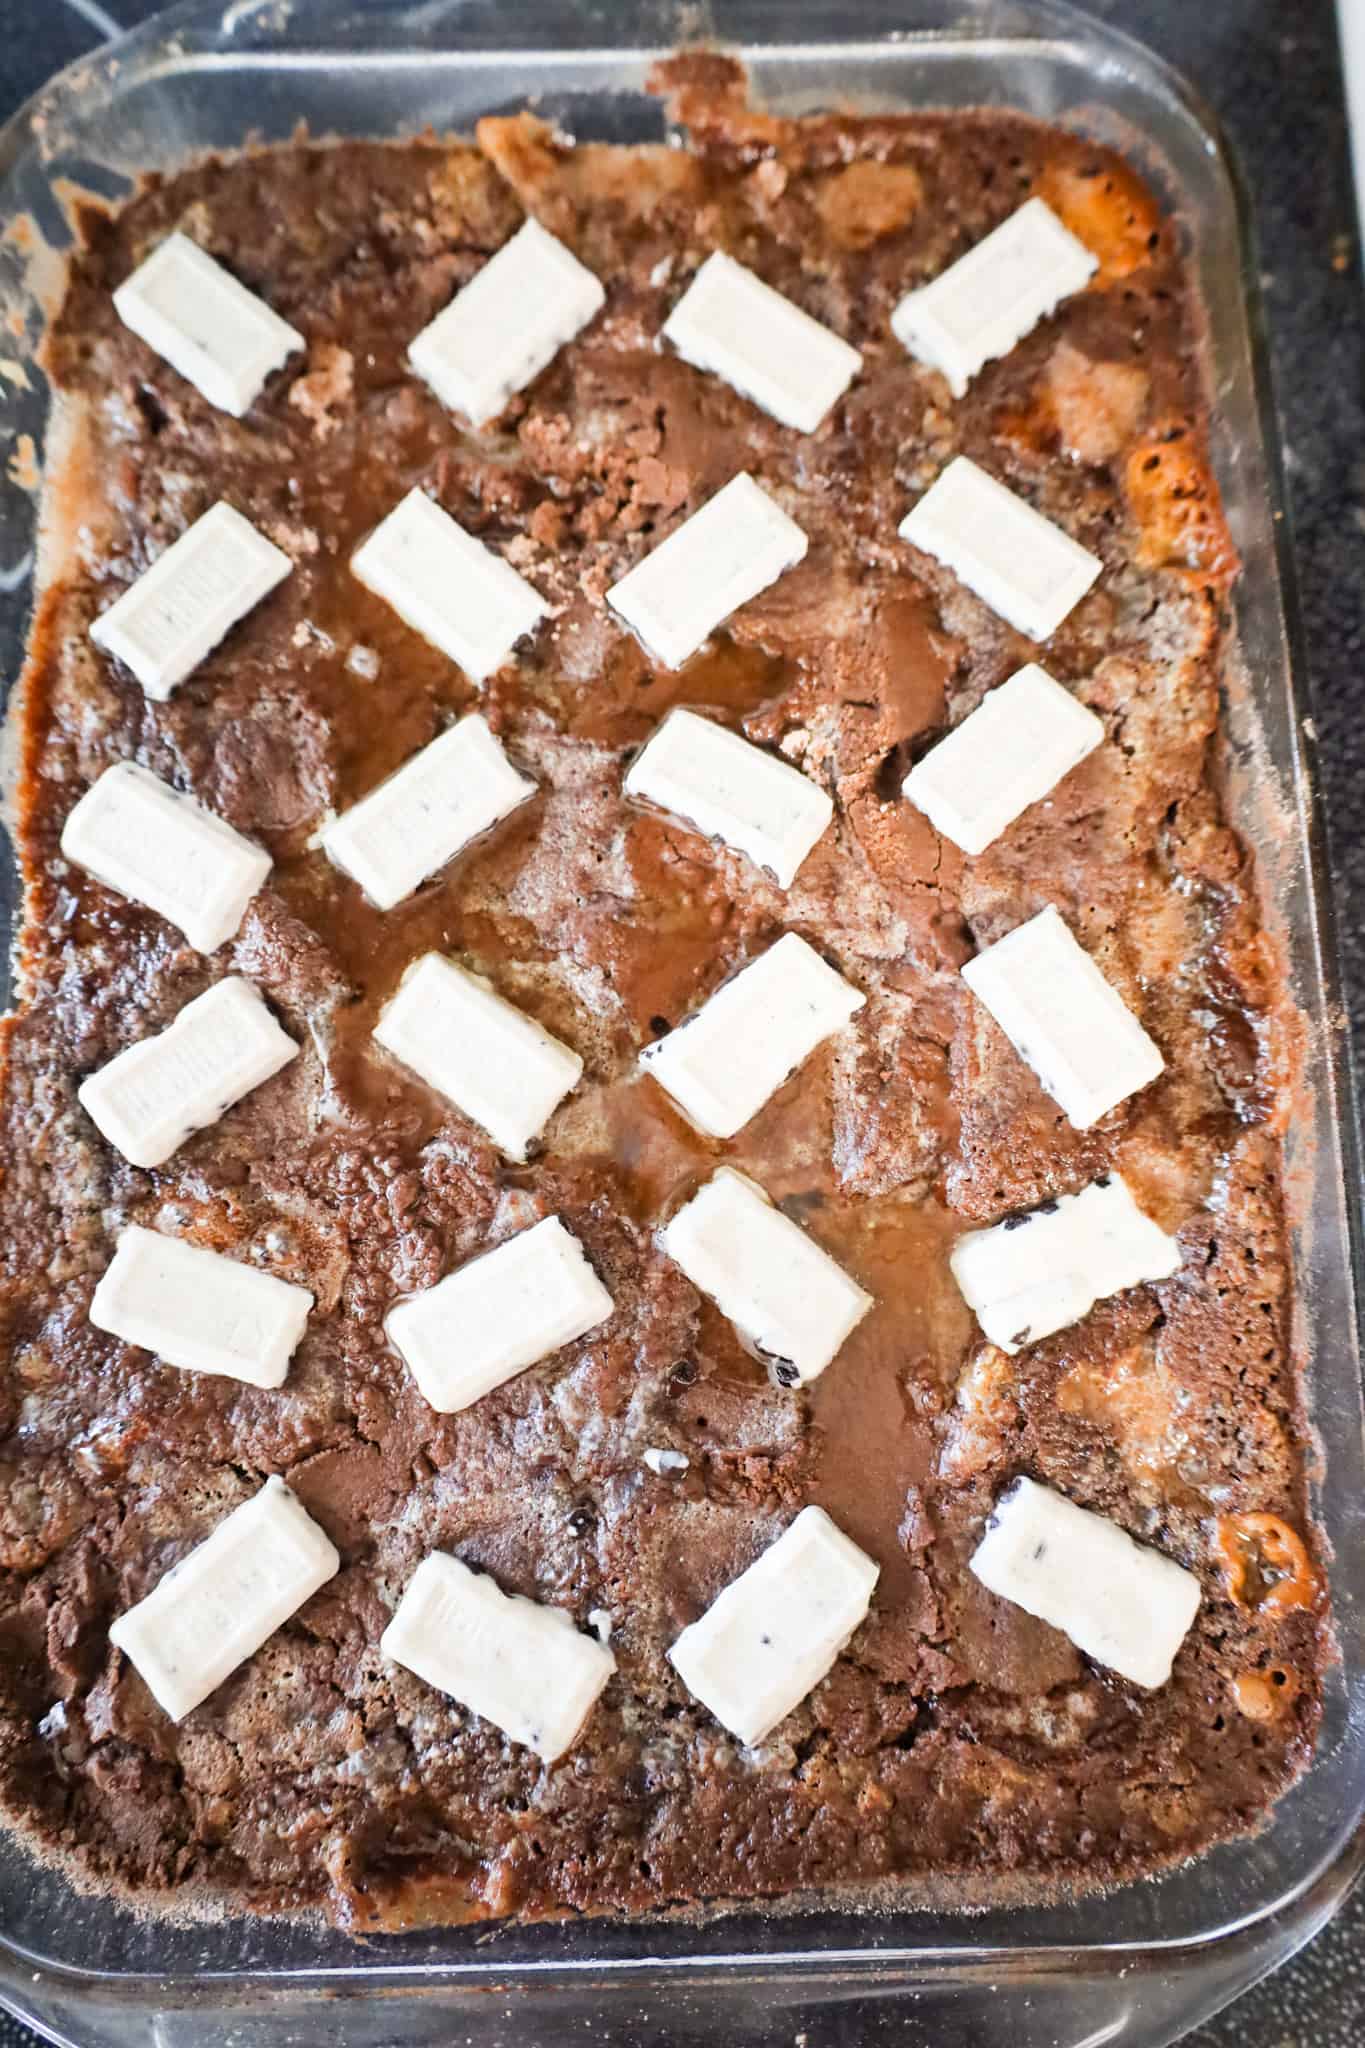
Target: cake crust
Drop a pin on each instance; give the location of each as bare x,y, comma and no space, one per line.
961,1751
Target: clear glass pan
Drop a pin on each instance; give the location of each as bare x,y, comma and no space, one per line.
1135,1968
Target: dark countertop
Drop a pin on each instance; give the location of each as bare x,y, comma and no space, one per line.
1271,71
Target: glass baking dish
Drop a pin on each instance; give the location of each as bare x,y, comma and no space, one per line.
1143,1964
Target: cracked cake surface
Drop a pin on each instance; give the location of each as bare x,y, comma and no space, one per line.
960,1748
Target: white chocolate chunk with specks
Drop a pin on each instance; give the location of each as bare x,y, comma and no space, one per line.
166,851
174,616
514,1662
1007,755
448,586
527,302
155,1094
986,302
721,1065
1063,1019
785,1295
1044,1269
496,1064
731,323
1016,561
499,1313
777,1629
1120,1602
728,789
198,1310
217,1607
197,316
736,545
426,813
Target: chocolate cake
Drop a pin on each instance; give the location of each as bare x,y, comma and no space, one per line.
960,1749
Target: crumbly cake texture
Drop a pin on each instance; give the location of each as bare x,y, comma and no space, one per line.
960,1751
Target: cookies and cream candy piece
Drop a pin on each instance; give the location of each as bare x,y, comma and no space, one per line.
199,1311
146,841
176,613
422,816
519,1664
776,1630
1044,1269
496,1064
986,302
1120,1602
663,1461
507,323
1016,561
1008,754
497,1314
787,1297
736,545
448,586
1063,1018
721,1065
726,788
206,325
731,323
155,1094
217,1607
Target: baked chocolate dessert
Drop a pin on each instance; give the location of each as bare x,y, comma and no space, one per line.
807,1340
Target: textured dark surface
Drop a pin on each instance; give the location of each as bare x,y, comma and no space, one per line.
1271,72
